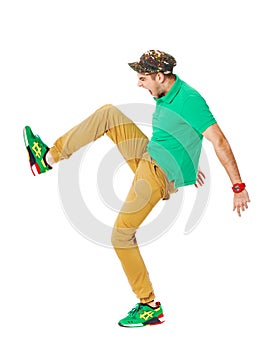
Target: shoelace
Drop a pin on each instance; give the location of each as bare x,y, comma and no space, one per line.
39,139
136,308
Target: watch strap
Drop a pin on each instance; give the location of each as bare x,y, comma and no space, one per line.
238,187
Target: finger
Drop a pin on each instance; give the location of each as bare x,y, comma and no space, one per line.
239,211
200,180
244,206
201,173
197,183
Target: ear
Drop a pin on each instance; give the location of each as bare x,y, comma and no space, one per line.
160,77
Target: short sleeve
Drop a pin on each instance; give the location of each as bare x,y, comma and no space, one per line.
197,113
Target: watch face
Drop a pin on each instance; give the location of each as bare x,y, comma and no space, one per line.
237,188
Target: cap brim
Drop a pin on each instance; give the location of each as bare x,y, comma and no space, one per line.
139,68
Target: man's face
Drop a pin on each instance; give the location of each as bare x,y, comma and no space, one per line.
153,85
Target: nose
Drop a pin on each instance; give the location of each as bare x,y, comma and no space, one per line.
140,84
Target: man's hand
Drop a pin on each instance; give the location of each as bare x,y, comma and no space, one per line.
200,178
224,153
240,201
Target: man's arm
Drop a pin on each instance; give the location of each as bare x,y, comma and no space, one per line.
224,153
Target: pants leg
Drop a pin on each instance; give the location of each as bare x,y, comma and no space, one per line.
147,189
109,120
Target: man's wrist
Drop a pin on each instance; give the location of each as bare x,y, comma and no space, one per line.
238,187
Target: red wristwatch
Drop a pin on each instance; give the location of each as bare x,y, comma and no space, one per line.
237,188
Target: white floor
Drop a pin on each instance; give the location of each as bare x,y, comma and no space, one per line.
60,61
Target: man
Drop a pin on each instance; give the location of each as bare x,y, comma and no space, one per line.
162,164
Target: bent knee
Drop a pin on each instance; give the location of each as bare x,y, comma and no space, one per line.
123,238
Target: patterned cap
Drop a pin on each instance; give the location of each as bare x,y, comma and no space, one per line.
154,61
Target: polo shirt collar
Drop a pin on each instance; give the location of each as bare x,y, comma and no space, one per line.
169,97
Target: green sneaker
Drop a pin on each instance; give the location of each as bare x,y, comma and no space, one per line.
37,151
143,315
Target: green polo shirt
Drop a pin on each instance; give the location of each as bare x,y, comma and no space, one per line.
180,118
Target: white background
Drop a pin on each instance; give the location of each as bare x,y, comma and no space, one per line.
60,60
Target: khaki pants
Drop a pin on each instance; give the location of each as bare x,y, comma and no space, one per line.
148,187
